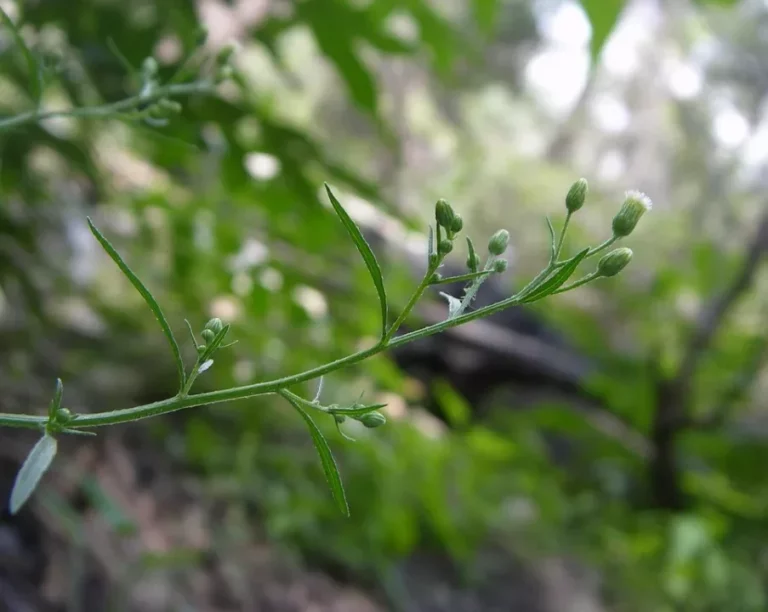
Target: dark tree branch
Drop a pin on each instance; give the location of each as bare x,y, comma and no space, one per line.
673,395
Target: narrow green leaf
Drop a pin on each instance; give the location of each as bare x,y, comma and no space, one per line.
148,298
112,46
471,255
35,465
56,400
603,16
326,457
553,241
29,57
486,13
430,246
366,253
555,281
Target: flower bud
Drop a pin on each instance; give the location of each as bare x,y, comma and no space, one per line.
339,418
635,205
458,223
445,247
444,214
208,335
169,106
149,67
64,416
614,262
574,200
432,260
500,265
215,325
436,278
373,420
498,242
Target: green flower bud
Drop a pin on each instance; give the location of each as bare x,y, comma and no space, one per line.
432,260
473,262
339,418
458,224
373,420
635,205
215,325
498,242
445,247
169,106
444,214
500,265
208,335
64,415
614,262
436,278
574,200
149,67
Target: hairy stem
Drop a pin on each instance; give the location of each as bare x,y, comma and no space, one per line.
263,388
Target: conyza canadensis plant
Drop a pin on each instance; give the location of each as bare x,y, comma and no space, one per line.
442,236
153,104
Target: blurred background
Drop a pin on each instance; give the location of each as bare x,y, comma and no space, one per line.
604,450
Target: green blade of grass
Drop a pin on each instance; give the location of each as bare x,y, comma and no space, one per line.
367,254
148,298
326,457
34,71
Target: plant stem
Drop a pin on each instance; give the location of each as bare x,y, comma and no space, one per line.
411,303
263,388
463,277
562,236
472,290
106,110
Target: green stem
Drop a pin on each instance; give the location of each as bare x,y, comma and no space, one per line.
462,277
263,388
106,110
582,281
425,282
562,237
472,290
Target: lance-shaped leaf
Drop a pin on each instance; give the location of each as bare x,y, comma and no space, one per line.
326,457
148,298
35,465
35,85
552,241
367,254
555,281
56,400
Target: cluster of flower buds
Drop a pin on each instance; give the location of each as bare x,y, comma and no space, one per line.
212,329
449,223
635,205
